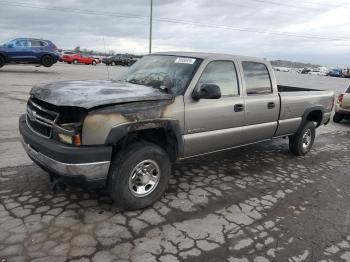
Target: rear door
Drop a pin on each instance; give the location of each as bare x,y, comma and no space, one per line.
214,124
37,49
262,102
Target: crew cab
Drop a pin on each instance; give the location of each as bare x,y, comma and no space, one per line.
28,51
79,58
125,134
342,107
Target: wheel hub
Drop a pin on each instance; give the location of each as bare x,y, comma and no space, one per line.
307,139
144,178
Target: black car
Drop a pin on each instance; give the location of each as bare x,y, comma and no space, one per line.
119,60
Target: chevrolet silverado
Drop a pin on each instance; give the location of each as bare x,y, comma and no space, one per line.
124,134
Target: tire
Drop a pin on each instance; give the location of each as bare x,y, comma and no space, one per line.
75,61
2,61
93,62
337,117
47,61
125,181
301,143
113,63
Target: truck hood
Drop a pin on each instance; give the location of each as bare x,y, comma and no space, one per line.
89,94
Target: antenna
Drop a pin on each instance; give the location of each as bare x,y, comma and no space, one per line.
104,44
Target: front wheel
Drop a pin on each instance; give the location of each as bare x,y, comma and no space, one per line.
47,61
337,117
94,62
139,176
75,61
300,143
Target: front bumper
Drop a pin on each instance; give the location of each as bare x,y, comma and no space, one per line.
77,165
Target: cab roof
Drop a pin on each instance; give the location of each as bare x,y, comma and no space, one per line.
203,55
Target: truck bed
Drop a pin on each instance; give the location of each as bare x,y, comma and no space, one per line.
283,88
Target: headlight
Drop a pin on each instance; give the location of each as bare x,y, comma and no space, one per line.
69,133
72,140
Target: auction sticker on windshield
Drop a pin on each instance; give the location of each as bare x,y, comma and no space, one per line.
185,60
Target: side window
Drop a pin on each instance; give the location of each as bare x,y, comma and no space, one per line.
22,43
35,43
257,78
223,74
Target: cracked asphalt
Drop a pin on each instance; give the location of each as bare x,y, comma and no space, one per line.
258,203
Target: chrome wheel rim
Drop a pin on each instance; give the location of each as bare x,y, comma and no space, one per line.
307,137
144,178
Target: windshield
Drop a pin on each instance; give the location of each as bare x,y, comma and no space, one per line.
6,42
171,74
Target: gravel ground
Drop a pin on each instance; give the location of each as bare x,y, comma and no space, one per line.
258,203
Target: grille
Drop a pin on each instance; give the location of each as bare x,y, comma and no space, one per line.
40,119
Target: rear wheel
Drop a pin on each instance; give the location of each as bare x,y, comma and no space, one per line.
47,61
139,176
301,143
94,62
337,117
2,61
113,64
75,61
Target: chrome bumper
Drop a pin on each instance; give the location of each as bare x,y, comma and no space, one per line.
91,171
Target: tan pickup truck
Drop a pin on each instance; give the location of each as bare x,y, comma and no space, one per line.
342,107
125,134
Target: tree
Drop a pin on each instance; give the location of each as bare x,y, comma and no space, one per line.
77,49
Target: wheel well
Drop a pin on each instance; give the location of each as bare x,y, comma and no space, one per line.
3,56
315,116
165,138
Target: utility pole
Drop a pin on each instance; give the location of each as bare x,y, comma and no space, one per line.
150,27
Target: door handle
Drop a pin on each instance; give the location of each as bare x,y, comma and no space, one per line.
239,107
270,105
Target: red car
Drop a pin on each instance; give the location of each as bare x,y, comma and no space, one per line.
79,58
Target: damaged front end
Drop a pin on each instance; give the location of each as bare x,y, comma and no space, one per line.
62,124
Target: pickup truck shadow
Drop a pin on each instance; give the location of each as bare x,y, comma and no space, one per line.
224,197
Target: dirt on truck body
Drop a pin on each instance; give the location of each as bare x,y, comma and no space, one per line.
125,134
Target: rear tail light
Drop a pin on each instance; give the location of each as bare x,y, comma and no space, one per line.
340,98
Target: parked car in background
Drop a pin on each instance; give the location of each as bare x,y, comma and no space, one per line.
342,107
65,52
336,72
80,59
346,72
119,60
320,71
305,70
28,51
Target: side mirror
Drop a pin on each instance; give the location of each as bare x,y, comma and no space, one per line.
207,91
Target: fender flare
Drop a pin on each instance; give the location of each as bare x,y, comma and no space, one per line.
306,114
120,131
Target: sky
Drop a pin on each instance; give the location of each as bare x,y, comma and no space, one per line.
316,31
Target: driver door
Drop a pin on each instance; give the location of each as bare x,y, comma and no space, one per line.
215,124
19,50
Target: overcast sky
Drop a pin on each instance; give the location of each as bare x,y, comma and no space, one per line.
246,27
